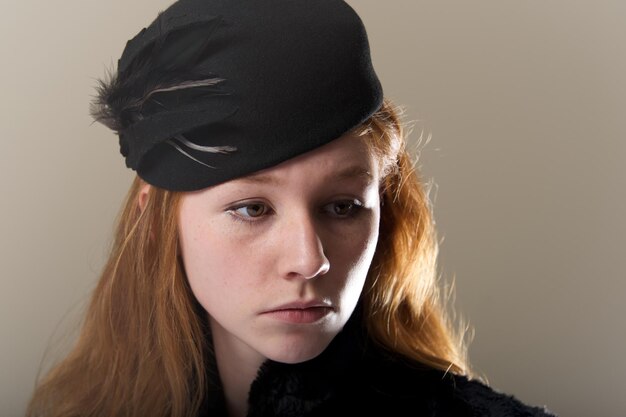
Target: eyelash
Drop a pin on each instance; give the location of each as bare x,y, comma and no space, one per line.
357,206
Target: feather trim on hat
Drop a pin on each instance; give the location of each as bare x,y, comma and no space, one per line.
160,72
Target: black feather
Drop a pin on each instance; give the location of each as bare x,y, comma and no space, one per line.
163,74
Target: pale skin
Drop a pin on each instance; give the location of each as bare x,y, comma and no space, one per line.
302,232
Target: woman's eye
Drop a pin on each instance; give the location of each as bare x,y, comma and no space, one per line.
251,211
343,208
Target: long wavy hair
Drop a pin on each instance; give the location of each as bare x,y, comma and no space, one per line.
143,349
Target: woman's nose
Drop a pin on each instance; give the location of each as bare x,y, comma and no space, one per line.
302,250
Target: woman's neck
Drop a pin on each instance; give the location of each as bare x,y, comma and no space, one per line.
237,365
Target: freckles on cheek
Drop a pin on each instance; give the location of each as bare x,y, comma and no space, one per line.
228,256
361,253
362,240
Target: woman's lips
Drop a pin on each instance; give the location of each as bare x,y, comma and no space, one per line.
300,312
299,315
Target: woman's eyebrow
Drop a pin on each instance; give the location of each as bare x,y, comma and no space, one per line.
352,172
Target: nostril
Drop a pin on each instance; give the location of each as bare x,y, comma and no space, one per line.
324,267
311,267
306,264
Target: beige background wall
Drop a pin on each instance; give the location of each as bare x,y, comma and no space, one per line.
525,102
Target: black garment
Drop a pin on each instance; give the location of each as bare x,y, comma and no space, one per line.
354,377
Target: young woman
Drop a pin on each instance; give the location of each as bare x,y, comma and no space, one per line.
275,255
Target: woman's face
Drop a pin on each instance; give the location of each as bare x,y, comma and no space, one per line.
278,258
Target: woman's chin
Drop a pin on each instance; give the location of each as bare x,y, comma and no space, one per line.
297,351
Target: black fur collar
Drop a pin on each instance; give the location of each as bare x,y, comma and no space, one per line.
354,376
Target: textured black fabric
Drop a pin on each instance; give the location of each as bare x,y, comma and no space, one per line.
354,377
291,76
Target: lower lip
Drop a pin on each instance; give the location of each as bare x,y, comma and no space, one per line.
300,316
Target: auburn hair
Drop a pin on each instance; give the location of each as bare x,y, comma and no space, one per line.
144,348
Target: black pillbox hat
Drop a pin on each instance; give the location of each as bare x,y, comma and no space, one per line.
213,90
